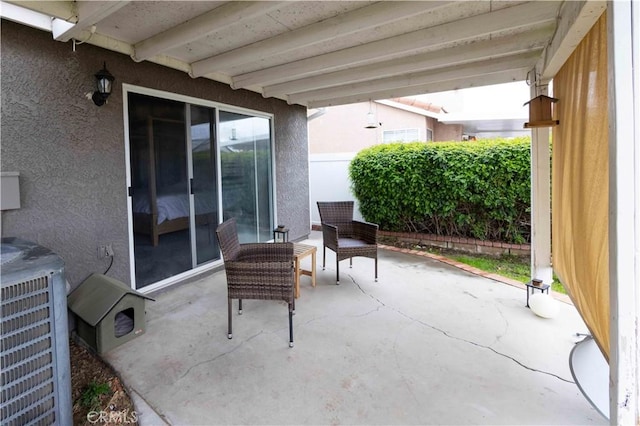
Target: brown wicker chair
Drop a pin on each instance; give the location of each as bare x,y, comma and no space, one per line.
348,238
256,271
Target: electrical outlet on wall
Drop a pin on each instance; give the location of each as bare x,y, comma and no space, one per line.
105,251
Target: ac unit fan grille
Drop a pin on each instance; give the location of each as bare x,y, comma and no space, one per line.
27,362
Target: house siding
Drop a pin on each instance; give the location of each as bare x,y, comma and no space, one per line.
341,129
71,154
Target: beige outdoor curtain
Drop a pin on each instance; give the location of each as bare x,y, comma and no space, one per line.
580,182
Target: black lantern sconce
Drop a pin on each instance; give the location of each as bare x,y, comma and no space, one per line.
104,84
280,234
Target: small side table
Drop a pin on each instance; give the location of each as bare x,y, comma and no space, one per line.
300,251
542,287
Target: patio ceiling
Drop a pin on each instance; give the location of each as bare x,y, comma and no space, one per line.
322,53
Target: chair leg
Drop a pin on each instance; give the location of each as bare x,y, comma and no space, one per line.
239,306
376,269
291,325
229,335
337,270
324,256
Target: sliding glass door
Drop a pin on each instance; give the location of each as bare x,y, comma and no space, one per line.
245,159
188,162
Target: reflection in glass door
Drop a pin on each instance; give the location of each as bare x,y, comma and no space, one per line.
204,184
245,161
159,188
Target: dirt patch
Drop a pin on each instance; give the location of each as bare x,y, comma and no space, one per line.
97,393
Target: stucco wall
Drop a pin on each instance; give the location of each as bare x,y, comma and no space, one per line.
71,153
447,132
341,129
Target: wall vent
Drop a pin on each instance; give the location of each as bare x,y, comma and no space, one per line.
34,347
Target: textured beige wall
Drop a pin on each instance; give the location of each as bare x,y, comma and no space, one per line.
71,153
341,129
447,132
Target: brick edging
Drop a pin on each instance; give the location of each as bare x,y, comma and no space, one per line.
470,245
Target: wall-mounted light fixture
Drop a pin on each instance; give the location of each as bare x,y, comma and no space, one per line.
104,83
372,123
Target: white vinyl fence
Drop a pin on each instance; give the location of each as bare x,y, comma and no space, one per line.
329,181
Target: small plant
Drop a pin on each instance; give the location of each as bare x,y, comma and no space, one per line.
90,396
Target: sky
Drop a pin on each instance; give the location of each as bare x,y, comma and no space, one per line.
500,101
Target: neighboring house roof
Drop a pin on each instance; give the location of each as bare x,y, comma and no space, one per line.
411,105
428,106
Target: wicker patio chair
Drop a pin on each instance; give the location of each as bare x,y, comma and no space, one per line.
256,271
348,238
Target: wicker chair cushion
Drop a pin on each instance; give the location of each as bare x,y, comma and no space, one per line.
351,243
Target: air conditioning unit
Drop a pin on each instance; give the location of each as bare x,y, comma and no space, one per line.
34,353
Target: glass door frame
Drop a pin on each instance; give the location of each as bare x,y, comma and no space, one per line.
187,100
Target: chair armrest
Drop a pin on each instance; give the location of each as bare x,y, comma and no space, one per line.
330,235
366,231
265,252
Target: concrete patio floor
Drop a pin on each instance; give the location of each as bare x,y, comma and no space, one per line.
427,344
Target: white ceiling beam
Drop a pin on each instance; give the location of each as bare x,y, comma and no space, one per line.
88,13
57,9
119,46
461,83
339,26
525,15
199,27
472,52
25,16
576,19
418,79
61,26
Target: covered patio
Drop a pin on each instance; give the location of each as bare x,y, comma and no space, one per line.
436,355
427,344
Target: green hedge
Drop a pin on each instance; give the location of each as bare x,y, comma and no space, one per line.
477,189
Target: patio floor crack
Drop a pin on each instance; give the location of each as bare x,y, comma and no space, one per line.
223,354
445,333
